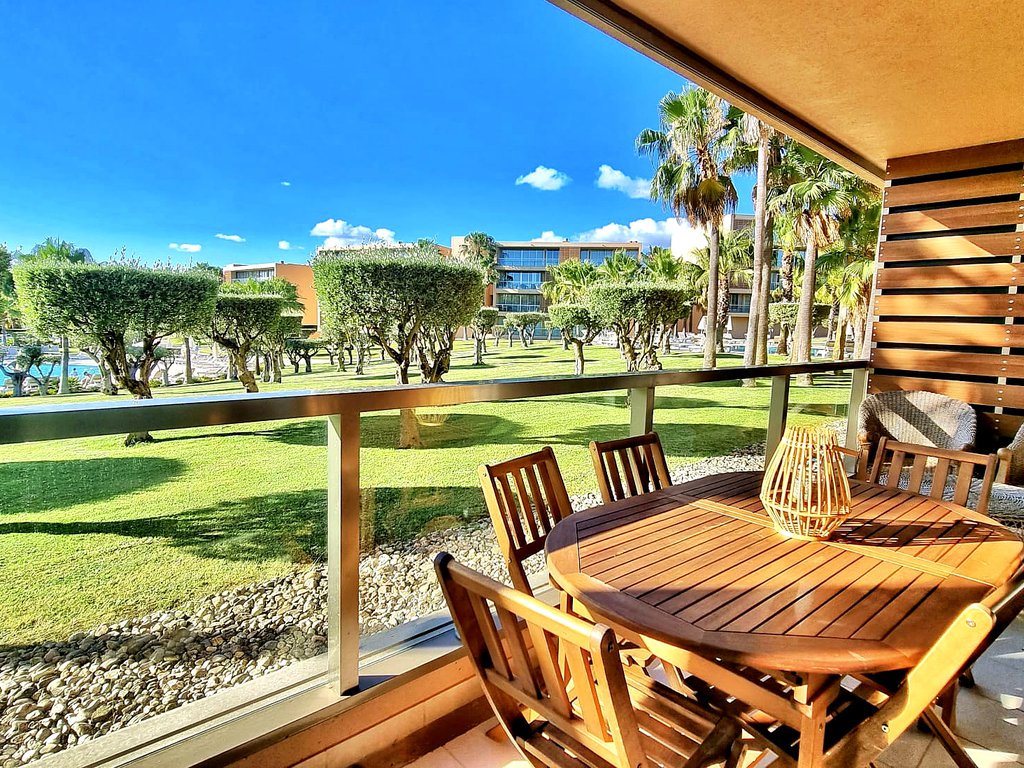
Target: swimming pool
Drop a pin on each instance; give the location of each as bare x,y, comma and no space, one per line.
73,370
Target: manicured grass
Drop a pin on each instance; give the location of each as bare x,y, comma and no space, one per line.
93,532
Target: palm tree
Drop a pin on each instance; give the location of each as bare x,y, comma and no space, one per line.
847,272
734,266
568,281
619,267
758,147
481,249
55,249
819,194
691,147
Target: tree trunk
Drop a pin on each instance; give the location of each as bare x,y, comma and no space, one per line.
711,319
753,341
187,349
766,287
276,359
786,280
408,427
241,364
805,315
860,329
839,344
577,352
64,387
478,349
723,311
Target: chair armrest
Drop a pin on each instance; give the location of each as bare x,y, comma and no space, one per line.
1005,456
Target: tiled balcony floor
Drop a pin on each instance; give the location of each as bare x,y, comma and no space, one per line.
991,724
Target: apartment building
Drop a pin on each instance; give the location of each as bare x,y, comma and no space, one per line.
523,266
299,275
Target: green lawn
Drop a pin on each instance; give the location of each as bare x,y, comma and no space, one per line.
93,532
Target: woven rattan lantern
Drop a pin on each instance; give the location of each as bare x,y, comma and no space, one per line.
805,490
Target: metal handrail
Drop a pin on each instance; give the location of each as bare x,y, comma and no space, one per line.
54,421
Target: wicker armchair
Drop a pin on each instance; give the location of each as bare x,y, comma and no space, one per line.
1012,458
922,418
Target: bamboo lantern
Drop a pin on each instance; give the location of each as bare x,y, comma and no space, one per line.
805,490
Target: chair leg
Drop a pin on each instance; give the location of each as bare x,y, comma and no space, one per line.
947,739
967,678
947,700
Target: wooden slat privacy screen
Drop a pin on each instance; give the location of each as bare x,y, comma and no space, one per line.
947,314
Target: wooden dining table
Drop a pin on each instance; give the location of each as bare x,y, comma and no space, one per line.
698,575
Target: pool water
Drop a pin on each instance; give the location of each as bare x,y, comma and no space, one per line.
73,370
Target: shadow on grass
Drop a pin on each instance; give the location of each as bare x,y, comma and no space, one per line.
39,486
290,525
693,440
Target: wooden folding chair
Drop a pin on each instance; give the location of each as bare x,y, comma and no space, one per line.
630,466
871,712
1007,604
525,497
558,688
937,464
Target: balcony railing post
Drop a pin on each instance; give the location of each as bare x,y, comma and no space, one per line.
778,411
641,410
858,388
343,550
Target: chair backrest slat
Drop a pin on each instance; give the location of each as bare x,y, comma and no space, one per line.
629,467
602,720
525,498
938,464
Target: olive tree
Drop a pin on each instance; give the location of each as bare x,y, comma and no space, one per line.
523,323
638,313
240,321
302,350
578,326
407,300
115,307
484,322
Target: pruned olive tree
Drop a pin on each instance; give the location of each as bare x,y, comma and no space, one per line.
302,350
578,326
240,321
407,300
524,324
638,313
115,307
484,322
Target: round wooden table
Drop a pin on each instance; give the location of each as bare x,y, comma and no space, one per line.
698,575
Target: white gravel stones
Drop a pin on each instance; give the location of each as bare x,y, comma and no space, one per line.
59,694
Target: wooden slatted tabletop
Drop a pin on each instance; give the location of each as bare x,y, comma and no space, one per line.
699,566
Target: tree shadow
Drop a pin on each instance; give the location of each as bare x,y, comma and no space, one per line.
438,429
291,525
38,486
697,440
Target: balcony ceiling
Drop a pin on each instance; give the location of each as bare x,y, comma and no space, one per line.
863,82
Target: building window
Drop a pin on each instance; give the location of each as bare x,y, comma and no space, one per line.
521,280
528,257
739,302
517,302
596,256
244,275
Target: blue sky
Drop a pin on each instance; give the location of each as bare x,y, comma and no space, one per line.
144,125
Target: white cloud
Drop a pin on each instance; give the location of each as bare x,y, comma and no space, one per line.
284,245
232,238
548,236
341,234
544,178
286,183
611,178
671,232
185,247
